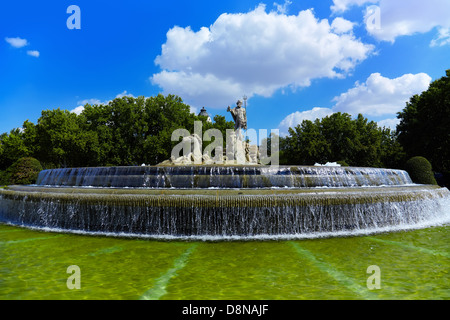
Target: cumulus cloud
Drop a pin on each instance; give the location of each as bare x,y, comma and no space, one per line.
255,53
340,6
297,117
389,123
407,17
282,8
380,95
341,25
33,53
78,110
17,42
404,18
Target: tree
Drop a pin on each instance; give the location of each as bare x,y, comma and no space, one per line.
29,137
164,115
342,136
391,152
305,145
132,131
424,123
12,147
96,119
338,137
63,142
367,143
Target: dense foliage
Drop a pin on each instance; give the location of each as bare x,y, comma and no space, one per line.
3,178
23,171
126,131
420,170
424,125
338,137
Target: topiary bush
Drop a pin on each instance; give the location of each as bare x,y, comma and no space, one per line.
420,170
24,171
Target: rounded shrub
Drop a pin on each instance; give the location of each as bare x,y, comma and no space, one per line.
24,171
420,170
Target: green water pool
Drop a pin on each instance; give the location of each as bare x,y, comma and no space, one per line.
411,265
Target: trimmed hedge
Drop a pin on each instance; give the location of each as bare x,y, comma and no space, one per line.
420,170
24,171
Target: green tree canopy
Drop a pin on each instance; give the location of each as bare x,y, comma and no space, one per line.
338,137
424,124
126,131
62,142
12,147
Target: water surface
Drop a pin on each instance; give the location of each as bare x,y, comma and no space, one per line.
413,264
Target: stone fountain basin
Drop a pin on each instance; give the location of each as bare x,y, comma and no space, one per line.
182,213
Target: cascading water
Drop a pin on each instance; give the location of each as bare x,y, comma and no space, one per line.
224,202
223,177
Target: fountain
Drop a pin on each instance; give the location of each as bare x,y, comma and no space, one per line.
226,201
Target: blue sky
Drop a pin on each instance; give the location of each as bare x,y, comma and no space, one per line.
295,60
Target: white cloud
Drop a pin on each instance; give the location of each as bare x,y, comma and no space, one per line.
124,94
33,53
94,101
78,110
194,110
341,25
405,18
297,117
442,39
377,96
380,95
340,6
282,8
254,53
198,88
17,42
389,123
91,102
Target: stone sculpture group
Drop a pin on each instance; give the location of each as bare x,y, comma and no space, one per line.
238,151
